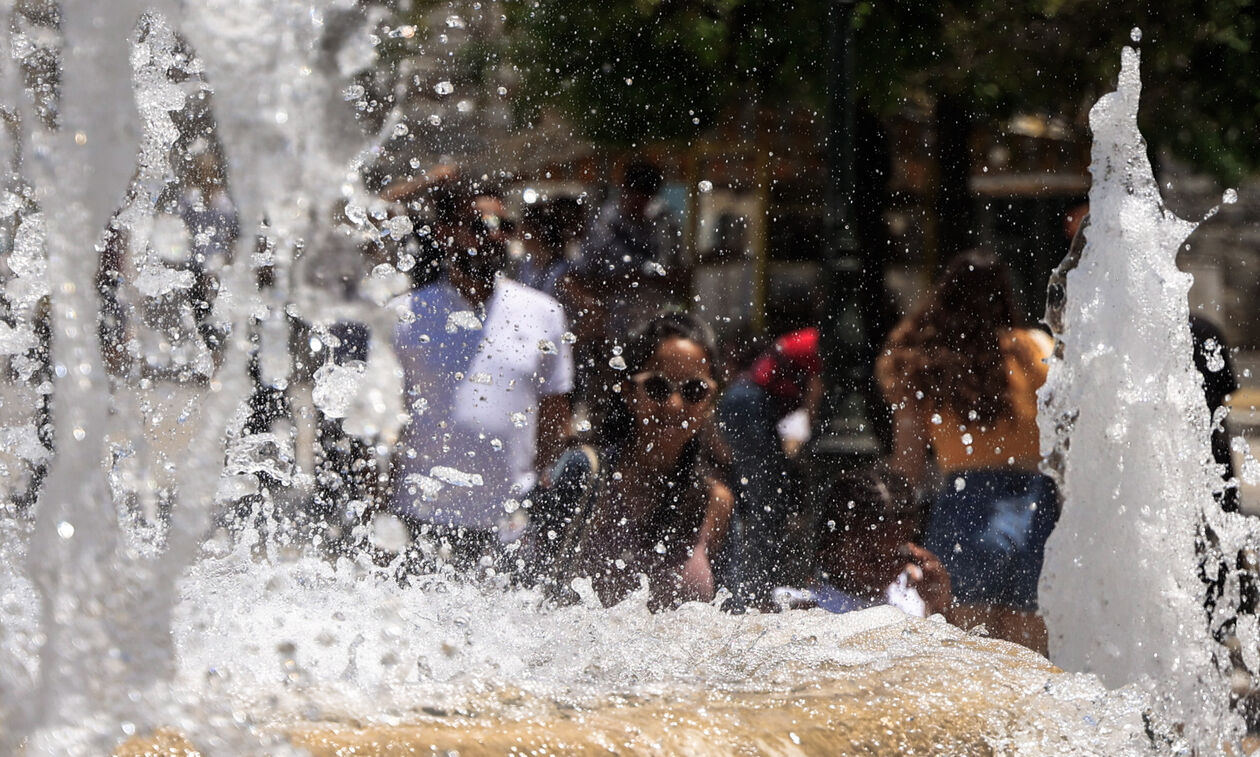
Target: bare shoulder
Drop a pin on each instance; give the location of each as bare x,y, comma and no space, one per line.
720,494
1031,344
1043,342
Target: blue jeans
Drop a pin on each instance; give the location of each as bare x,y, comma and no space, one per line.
990,533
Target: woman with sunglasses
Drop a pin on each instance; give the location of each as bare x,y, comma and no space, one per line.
648,503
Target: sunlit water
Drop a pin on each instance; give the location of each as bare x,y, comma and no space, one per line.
1124,416
110,630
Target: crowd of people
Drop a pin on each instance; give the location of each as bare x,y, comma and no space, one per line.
571,419
571,415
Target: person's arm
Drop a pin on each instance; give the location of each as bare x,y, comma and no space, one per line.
588,318
680,271
909,434
404,190
553,431
717,517
599,265
910,442
931,580
695,575
556,374
814,393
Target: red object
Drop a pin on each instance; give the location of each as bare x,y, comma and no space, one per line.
785,368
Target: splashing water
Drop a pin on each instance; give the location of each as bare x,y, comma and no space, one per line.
1127,431
107,631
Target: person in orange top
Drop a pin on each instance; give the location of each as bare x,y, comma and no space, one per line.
962,374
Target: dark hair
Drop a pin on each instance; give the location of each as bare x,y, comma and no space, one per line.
450,201
642,177
540,221
950,348
553,223
569,216
868,493
645,340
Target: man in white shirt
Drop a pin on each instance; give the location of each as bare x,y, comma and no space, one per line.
487,366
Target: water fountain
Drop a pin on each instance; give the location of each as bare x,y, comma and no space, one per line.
105,635
1124,420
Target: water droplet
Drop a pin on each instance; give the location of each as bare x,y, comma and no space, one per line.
462,319
959,484
617,363
568,337
705,186
435,120
518,420
497,444
455,477
65,529
1230,197
1135,34
356,214
936,419
967,439
444,88
546,346
583,426
660,548
400,130
353,92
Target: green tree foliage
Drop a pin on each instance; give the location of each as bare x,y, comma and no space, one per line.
635,70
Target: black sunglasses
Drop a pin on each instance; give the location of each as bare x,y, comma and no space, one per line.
659,389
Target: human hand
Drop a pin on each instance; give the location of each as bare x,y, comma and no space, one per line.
695,578
929,578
